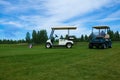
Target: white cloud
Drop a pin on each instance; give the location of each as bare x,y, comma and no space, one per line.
13,23
63,10
108,19
71,8
114,14
60,11
49,13
111,17
21,6
3,2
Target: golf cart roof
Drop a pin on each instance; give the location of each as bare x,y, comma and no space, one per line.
64,28
101,27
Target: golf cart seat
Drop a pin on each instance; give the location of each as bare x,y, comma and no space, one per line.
107,36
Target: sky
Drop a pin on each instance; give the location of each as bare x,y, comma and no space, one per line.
17,17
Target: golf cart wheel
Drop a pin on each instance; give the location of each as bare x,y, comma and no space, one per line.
69,45
90,46
110,46
97,47
103,46
48,45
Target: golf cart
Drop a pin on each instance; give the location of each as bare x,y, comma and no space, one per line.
68,43
102,39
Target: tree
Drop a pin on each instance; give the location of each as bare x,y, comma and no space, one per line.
34,36
66,37
0,41
111,33
43,36
74,38
38,37
86,38
11,41
28,37
61,37
82,38
116,36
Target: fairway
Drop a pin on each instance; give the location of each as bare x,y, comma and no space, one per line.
18,62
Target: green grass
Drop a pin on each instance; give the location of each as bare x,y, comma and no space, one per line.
18,62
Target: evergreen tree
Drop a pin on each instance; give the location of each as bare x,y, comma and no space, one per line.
27,37
86,38
43,36
34,36
61,37
38,37
11,41
111,33
0,41
66,37
82,38
116,36
74,38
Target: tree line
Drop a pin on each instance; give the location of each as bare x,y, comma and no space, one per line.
40,37
7,41
114,36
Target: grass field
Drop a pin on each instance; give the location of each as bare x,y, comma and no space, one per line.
18,62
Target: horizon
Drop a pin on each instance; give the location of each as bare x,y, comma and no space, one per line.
22,16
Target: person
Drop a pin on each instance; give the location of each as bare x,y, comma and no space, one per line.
30,46
102,34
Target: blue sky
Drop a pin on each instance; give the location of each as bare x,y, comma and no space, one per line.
20,16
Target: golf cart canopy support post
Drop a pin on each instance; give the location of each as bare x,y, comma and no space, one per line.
62,28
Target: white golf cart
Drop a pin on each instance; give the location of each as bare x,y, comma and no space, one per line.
68,43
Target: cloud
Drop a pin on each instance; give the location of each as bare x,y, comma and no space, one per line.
44,14
61,11
58,10
11,23
115,14
3,2
11,29
110,18
21,6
